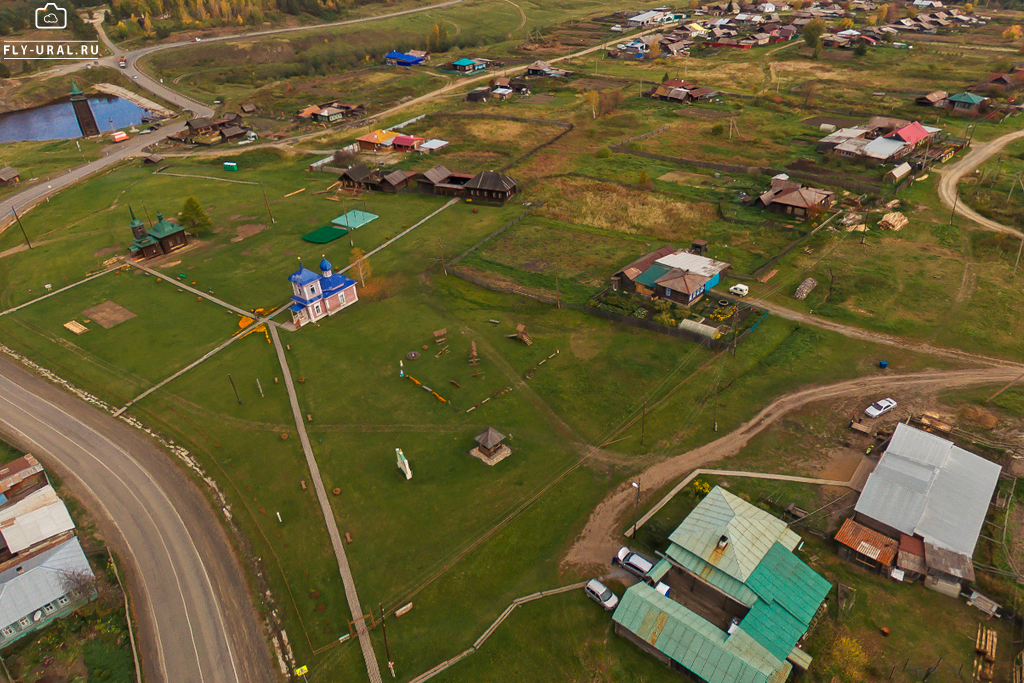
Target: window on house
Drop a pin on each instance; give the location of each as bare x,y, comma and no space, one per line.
63,600
49,608
7,631
24,622
317,309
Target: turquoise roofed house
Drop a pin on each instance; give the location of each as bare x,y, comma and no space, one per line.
966,103
163,238
730,601
469,65
316,296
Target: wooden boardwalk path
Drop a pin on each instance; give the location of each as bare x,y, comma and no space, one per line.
372,668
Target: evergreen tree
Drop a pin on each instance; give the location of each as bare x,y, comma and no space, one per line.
194,219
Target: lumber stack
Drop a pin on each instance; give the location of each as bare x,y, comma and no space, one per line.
894,221
985,650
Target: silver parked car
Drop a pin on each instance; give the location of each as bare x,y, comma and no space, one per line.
880,408
634,563
601,594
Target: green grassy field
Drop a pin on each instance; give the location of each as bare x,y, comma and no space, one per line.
461,540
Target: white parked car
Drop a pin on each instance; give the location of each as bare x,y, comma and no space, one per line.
634,563
880,408
601,594
739,290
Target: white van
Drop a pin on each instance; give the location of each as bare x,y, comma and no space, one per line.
739,290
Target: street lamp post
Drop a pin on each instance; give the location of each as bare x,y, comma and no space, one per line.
636,508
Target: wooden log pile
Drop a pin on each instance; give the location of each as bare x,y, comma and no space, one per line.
895,221
985,650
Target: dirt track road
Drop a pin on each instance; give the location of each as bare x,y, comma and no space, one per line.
599,539
874,337
951,177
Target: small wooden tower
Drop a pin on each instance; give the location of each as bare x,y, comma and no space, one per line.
490,448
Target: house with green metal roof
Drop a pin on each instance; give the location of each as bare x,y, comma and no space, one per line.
966,103
162,238
729,602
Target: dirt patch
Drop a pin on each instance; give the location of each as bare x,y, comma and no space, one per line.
108,314
169,265
108,250
542,99
248,230
684,178
587,345
596,84
979,416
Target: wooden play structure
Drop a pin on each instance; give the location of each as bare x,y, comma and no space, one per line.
473,358
521,334
441,336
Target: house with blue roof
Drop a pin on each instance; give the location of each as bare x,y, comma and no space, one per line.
396,58
729,602
317,296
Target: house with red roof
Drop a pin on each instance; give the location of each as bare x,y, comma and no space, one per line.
407,143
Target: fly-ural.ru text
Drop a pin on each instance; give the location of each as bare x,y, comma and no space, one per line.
50,50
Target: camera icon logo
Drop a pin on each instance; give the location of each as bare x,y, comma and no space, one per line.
51,16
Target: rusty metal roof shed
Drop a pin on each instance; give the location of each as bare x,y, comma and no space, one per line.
868,542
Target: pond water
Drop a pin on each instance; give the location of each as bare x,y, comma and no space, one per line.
56,120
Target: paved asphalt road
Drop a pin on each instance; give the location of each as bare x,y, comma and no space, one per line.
188,588
29,197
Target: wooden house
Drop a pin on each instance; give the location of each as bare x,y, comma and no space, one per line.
792,198
490,186
378,140
479,95
9,176
440,181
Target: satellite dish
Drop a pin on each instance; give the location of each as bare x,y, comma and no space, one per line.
38,615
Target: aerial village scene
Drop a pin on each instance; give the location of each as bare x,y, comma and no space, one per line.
510,340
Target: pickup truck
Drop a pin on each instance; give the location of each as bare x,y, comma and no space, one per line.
122,62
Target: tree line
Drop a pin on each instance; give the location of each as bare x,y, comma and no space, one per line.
20,15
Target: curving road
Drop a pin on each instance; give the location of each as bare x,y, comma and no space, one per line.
189,592
26,199
951,176
600,537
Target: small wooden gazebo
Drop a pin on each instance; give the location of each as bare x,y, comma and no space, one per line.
490,448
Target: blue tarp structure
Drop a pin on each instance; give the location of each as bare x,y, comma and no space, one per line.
402,59
354,219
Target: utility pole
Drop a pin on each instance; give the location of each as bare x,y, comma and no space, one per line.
267,202
150,220
25,234
956,198
444,266
234,389
1017,262
717,375
558,293
643,421
636,508
387,649
734,315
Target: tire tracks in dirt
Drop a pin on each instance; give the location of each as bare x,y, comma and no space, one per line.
599,539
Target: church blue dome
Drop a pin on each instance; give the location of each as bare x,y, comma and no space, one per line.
325,264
